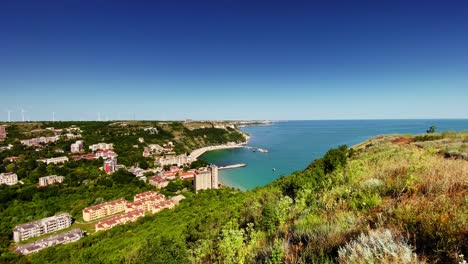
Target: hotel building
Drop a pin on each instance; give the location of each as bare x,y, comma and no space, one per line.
101,146
54,160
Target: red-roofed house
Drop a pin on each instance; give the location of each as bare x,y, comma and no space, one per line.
120,219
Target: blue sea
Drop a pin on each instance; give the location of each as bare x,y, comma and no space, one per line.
292,145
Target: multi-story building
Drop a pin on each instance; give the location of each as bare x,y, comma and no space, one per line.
42,226
54,160
8,178
171,160
158,181
145,204
105,209
120,219
39,140
3,133
64,238
77,147
206,179
110,165
101,146
48,180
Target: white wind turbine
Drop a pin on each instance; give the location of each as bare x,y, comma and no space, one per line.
22,113
9,115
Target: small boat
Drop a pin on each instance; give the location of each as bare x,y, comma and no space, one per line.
273,169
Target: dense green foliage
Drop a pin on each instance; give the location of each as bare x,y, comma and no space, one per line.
84,183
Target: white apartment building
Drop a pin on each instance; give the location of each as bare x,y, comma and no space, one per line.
48,180
77,147
42,226
8,178
54,160
206,179
171,160
101,146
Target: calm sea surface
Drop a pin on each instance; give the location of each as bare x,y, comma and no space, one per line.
292,145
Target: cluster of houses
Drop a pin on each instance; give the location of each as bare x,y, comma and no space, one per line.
155,149
124,212
202,179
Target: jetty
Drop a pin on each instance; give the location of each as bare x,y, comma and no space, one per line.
232,166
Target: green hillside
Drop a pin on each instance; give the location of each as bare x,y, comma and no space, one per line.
392,199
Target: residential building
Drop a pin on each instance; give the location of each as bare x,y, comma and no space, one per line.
8,178
187,175
77,147
158,181
171,160
110,165
105,154
147,195
105,209
206,179
157,207
12,159
54,160
90,156
48,180
120,219
3,133
102,146
64,238
39,140
42,226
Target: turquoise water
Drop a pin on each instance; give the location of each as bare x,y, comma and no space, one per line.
293,145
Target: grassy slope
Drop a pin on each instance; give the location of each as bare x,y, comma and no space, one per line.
390,190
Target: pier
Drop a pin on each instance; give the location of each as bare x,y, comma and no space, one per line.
232,166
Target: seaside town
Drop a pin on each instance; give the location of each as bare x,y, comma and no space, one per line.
168,166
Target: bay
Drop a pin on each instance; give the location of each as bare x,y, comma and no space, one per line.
292,145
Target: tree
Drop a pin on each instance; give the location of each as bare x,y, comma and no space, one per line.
431,129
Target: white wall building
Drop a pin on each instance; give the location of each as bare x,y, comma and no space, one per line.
101,146
77,147
8,178
42,226
54,160
48,180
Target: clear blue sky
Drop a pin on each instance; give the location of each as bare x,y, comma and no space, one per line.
233,59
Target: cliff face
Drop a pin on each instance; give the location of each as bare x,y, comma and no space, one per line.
391,199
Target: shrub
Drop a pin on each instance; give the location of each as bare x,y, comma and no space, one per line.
379,246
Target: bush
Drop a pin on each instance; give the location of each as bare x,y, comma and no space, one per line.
379,246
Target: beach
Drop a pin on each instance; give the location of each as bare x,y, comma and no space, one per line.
198,152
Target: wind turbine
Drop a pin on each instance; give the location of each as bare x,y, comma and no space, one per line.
99,116
22,113
53,116
9,115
